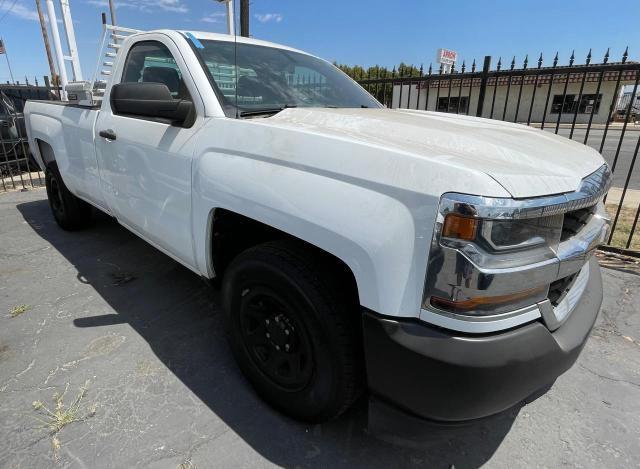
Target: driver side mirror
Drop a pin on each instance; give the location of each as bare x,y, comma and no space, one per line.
151,100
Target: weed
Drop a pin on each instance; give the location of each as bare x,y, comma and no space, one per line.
187,465
61,415
18,310
55,446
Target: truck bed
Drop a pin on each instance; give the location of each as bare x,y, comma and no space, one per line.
68,129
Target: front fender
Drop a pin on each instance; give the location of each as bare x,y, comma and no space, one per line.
374,233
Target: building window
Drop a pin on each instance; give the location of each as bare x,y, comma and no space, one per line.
451,104
569,103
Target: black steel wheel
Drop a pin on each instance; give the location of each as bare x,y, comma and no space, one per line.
70,212
55,197
292,332
275,339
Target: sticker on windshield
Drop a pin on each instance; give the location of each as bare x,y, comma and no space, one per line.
195,40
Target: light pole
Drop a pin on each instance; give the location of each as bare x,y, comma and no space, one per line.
230,23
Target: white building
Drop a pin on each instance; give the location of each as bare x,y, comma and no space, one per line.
461,95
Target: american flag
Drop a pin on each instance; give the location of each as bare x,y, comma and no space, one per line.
2,49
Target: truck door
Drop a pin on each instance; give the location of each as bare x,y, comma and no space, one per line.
145,163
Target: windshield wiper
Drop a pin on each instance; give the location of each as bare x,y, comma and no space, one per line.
333,106
266,111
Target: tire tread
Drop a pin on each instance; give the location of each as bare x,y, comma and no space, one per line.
312,270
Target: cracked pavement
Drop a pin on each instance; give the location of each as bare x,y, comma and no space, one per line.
147,334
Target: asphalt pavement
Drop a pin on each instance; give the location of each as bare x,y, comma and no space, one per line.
613,146
101,309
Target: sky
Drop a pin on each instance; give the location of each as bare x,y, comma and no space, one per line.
353,32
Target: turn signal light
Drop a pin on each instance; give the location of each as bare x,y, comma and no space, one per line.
482,302
460,227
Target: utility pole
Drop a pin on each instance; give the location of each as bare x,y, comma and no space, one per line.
45,38
244,18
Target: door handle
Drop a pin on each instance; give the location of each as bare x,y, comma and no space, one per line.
108,134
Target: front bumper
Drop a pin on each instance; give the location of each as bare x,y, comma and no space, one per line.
449,376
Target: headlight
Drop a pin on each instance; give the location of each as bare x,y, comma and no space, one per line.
517,235
493,259
492,255
500,243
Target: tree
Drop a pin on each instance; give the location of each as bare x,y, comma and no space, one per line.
381,91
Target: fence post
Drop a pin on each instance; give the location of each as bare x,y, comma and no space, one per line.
50,94
483,84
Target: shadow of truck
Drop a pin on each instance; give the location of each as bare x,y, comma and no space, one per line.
179,317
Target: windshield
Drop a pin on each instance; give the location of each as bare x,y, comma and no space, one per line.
270,79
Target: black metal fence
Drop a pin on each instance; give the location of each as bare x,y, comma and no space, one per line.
594,103
18,169
597,104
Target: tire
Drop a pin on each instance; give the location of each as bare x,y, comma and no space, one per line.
293,330
70,212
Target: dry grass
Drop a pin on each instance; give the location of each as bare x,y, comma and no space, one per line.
54,420
623,227
18,310
60,416
187,465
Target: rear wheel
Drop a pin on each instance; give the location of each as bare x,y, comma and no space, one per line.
70,212
293,331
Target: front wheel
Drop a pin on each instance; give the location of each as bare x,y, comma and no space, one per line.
292,331
70,212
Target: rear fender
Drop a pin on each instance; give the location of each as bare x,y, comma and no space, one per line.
46,140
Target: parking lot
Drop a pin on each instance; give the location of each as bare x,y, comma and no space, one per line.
101,309
612,141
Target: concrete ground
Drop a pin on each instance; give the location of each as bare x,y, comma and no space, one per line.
103,308
631,197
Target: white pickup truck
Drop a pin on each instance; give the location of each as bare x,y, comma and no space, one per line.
441,263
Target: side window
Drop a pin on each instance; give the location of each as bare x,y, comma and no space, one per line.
151,62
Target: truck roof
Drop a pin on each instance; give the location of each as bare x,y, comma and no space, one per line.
240,39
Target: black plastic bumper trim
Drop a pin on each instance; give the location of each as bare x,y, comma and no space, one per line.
448,376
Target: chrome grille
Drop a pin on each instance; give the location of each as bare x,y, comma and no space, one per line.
574,221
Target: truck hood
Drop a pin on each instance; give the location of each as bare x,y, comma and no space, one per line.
527,162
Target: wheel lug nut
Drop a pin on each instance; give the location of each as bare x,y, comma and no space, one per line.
266,321
277,347
268,335
286,347
286,331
